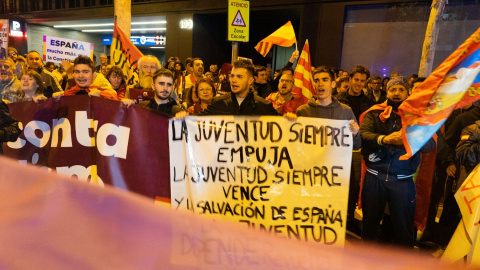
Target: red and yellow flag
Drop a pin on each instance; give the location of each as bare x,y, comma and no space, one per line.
125,55
303,76
284,36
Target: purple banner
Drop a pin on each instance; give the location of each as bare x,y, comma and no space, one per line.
97,140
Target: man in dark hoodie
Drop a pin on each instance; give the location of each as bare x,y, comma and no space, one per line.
324,105
163,87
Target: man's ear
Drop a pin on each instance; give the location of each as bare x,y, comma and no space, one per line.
251,80
334,83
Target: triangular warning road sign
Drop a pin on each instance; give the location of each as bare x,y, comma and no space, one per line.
238,20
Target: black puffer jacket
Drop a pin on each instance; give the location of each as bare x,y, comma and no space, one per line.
468,148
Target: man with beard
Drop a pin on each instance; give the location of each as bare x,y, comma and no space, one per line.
163,88
388,179
9,84
197,73
283,100
147,65
190,80
34,61
84,74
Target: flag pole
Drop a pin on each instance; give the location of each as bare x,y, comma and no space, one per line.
296,49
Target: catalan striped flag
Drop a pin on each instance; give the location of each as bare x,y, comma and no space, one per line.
303,76
454,84
284,36
125,55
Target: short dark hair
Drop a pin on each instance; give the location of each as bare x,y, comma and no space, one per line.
287,69
188,61
360,69
324,69
258,69
246,64
343,80
84,60
375,77
50,63
196,59
419,79
162,72
117,71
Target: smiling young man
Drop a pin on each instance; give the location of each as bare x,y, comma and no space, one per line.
241,101
354,97
163,87
84,74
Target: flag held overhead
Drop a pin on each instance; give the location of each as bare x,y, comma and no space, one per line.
284,36
303,76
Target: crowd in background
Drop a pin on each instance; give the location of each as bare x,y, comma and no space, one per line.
187,87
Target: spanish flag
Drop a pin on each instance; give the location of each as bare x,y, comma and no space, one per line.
284,36
303,76
125,55
454,84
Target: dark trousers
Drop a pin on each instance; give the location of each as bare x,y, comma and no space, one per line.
400,196
355,175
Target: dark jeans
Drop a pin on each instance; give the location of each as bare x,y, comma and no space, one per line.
400,195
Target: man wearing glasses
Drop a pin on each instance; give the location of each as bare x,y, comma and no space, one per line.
375,93
12,53
283,100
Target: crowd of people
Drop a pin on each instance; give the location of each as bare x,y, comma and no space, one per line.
370,104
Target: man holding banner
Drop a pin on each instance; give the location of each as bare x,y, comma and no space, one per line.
388,179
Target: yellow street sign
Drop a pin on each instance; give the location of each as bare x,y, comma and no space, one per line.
238,20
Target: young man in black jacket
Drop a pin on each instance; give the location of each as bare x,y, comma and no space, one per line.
163,87
241,101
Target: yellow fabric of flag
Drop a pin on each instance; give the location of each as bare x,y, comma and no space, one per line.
284,36
464,241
